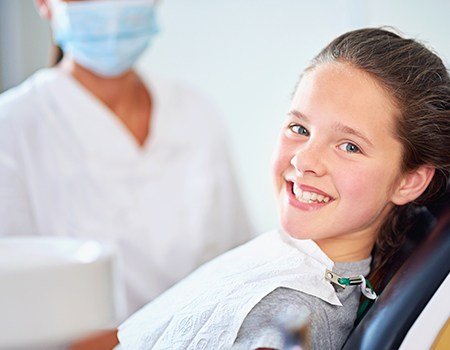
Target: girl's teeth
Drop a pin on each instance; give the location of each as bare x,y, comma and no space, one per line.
308,197
297,191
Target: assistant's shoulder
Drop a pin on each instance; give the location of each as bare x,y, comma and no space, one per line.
184,99
22,102
22,109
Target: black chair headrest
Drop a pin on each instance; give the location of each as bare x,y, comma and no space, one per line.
387,322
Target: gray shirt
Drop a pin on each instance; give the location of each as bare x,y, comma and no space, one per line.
330,324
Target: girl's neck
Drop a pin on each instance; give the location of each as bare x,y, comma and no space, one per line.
347,249
354,246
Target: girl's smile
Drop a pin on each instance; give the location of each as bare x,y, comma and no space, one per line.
306,197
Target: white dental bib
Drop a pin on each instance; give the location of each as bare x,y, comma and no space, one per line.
206,309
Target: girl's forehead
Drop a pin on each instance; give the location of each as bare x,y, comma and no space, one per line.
343,78
341,91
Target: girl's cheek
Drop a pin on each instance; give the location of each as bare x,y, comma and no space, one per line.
277,166
281,161
361,184
282,155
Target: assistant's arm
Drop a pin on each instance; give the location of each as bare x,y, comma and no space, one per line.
105,340
15,209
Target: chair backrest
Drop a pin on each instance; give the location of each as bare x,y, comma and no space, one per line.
389,319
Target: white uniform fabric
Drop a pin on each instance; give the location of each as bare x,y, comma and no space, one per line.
206,309
69,167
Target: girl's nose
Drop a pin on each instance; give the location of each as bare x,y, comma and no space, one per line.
308,161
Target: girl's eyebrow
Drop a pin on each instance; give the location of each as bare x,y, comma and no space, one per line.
337,127
299,115
348,130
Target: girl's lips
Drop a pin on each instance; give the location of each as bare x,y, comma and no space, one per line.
301,205
313,189
303,187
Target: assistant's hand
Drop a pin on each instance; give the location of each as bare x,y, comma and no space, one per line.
105,340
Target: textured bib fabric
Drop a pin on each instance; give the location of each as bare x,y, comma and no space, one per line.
206,309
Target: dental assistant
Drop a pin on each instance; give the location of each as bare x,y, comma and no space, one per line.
92,149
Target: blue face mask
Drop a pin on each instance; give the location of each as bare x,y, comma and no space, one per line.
106,36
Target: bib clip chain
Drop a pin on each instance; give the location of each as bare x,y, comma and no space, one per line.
366,287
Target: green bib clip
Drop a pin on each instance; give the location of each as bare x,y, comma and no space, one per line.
366,287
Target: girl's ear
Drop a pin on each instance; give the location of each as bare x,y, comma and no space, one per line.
43,7
413,184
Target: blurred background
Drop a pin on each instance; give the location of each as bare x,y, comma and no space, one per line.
245,54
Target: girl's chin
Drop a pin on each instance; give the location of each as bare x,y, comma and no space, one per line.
292,230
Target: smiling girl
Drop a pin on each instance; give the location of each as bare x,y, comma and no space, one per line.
367,138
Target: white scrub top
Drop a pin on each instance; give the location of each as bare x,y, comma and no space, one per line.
69,167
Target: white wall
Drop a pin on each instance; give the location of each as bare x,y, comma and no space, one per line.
247,55
24,41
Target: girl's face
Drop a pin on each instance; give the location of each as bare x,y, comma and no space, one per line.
337,164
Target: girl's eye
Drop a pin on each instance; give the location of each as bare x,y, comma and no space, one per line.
349,147
298,129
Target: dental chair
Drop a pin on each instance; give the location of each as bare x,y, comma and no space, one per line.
414,307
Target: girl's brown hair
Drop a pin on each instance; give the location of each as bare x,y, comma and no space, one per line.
419,84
